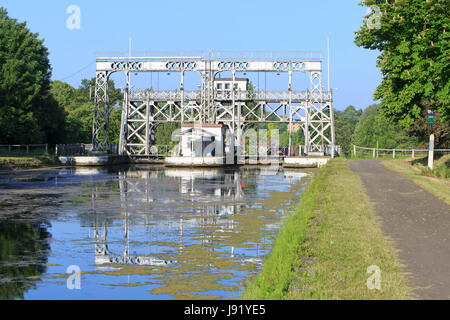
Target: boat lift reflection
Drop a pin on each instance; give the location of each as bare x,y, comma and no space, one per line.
144,187
103,256
191,198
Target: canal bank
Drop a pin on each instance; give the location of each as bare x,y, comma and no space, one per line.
8,163
327,246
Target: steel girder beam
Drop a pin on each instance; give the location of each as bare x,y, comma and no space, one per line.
115,64
102,112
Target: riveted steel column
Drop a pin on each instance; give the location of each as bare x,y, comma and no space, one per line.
102,114
290,113
124,121
182,95
333,133
307,121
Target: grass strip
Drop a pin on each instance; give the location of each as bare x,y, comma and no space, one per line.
326,247
26,162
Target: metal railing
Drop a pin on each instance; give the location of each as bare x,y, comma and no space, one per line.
296,151
214,55
79,149
225,95
70,149
23,148
138,150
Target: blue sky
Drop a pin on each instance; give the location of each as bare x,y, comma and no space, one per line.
282,25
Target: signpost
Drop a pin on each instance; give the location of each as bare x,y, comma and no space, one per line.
431,148
431,152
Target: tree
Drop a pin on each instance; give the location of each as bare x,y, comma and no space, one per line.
413,38
87,87
441,129
375,127
79,107
164,133
52,120
28,114
115,95
345,123
79,110
65,94
79,123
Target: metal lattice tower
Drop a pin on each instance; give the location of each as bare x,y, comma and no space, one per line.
144,109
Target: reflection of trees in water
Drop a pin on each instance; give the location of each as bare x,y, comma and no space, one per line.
23,254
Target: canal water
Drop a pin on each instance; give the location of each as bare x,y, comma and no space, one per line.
140,232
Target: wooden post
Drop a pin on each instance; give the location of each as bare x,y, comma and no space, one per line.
413,153
431,152
393,153
374,153
377,149
354,151
28,148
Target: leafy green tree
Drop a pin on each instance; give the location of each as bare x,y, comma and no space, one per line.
114,125
298,138
375,127
79,107
79,112
79,123
65,94
28,113
345,123
52,120
441,129
164,132
86,92
284,134
413,38
87,87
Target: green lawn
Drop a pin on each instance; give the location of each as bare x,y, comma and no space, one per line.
326,246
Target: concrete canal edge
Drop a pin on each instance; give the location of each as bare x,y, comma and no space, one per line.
187,162
329,244
99,160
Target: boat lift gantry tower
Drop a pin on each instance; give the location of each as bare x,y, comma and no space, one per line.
144,109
